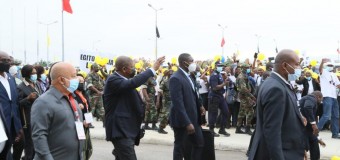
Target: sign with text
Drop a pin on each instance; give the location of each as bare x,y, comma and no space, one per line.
88,58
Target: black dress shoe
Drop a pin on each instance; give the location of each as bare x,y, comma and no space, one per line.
161,131
91,126
336,137
225,133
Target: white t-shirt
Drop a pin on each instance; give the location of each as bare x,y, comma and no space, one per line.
203,89
328,83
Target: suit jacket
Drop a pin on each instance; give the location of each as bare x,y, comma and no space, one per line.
8,145
279,129
25,105
309,106
124,108
305,84
184,110
10,107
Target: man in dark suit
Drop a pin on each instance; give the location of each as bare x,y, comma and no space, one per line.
185,111
280,130
308,105
9,102
124,108
309,84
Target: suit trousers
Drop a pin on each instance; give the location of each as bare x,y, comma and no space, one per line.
196,140
216,103
124,148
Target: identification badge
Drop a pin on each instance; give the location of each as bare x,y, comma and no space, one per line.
80,130
88,118
298,103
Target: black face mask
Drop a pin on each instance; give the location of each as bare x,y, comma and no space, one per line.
4,67
133,73
81,87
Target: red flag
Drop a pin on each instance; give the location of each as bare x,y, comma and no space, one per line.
338,51
223,42
67,6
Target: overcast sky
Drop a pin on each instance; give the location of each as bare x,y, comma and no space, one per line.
127,27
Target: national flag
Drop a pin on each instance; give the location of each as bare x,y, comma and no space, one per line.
67,6
157,33
222,42
277,51
338,51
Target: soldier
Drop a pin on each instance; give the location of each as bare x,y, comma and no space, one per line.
95,86
247,100
149,91
166,101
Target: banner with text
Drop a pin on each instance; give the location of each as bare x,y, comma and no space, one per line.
86,59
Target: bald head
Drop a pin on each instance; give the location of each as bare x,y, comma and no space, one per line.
285,56
122,61
63,69
5,55
286,62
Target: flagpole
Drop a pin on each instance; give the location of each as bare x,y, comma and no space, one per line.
62,33
222,37
25,58
258,43
37,33
156,38
276,50
338,53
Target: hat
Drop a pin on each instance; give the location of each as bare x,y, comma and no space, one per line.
245,65
329,64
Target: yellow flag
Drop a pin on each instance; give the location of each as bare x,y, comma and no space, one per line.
48,40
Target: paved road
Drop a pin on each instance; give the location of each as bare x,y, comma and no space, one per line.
103,149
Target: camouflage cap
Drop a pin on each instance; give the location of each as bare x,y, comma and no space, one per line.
95,65
245,65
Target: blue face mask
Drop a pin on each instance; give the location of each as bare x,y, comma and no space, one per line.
33,77
198,74
308,78
329,69
248,70
295,75
43,77
74,83
219,69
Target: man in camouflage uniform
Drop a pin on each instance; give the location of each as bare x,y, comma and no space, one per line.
149,91
247,100
95,86
166,101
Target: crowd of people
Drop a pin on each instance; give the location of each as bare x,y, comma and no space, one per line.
47,113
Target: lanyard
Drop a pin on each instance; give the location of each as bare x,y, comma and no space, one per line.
74,107
83,99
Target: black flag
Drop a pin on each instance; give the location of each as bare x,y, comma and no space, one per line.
277,51
157,32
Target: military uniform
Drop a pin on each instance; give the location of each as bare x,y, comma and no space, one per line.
151,112
96,101
246,102
166,103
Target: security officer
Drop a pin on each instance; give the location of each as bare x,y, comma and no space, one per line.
217,100
166,101
149,94
95,86
247,100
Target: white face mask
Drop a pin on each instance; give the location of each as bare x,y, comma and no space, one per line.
192,67
198,74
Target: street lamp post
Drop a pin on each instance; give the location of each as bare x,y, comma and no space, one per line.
47,39
222,28
258,42
156,37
